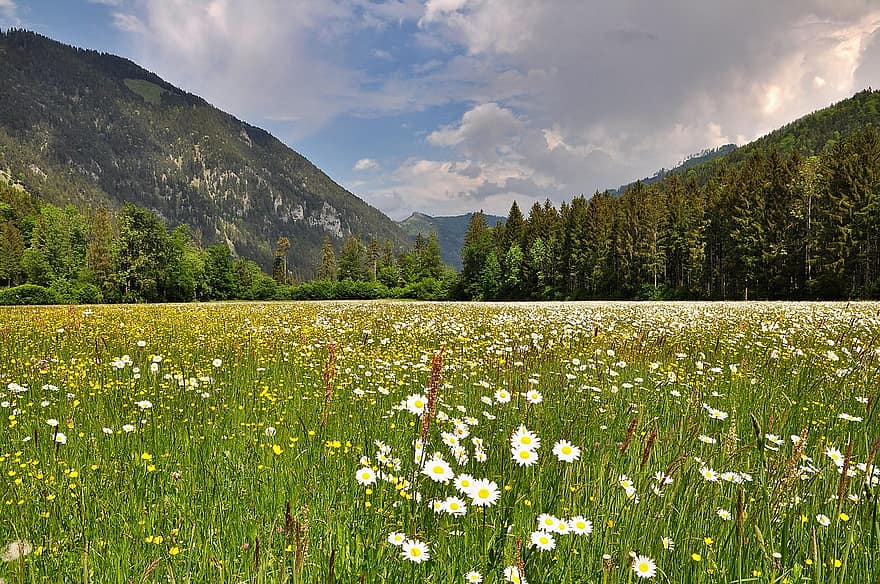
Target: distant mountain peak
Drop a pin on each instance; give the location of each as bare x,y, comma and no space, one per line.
450,232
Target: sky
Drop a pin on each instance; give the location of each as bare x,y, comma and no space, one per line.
451,106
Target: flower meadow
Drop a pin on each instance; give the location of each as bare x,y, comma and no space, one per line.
442,443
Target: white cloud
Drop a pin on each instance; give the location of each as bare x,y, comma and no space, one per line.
128,23
366,164
9,13
562,97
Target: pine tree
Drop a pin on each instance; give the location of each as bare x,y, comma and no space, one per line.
11,253
99,250
327,269
352,259
279,262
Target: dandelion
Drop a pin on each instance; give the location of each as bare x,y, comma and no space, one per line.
16,550
565,451
366,476
543,541
484,493
644,567
415,551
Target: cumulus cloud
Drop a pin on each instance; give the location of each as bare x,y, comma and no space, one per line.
585,95
559,98
366,164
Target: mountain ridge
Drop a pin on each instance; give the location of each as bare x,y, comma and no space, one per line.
93,129
450,230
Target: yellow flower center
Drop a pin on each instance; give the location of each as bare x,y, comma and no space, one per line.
483,493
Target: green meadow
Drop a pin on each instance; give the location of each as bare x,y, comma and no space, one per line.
443,443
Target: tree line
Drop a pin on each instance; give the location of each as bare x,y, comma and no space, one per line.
50,254
770,225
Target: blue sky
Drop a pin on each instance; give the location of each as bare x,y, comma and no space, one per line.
449,106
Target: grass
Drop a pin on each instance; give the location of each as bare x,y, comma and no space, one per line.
223,442
151,92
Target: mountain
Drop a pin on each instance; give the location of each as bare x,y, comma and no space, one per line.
91,129
450,232
690,162
808,135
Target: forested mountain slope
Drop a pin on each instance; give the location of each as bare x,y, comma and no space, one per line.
92,129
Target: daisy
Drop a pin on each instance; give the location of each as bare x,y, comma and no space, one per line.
668,543
835,455
709,474
415,551
511,574
723,514
455,506
823,520
463,483
707,439
439,470
416,404
484,493
502,396
565,451
543,541
366,476
644,567
547,522
473,577
526,438
533,396
580,526
524,456
396,538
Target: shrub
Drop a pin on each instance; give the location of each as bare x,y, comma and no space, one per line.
28,294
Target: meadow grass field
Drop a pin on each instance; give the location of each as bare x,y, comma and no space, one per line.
443,443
